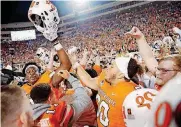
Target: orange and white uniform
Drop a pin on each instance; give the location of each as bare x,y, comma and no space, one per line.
110,99
44,78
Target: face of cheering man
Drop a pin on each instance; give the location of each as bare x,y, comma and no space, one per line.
32,75
166,70
113,74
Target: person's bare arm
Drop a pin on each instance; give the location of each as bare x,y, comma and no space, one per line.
65,65
97,62
82,74
86,78
144,49
84,59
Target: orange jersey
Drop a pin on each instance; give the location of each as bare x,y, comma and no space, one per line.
58,115
110,99
44,78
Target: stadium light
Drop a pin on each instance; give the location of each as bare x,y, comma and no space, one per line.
79,5
79,2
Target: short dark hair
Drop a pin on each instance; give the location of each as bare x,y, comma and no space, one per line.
40,93
30,63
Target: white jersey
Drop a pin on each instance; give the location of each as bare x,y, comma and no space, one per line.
136,105
165,107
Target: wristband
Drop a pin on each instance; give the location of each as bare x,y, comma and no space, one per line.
58,46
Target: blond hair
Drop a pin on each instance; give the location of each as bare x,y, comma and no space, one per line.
176,59
11,102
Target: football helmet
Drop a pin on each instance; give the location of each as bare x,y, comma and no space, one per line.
43,14
43,55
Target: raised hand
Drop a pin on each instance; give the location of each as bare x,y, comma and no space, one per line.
64,73
135,32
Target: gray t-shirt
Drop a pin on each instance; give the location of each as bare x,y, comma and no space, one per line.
84,112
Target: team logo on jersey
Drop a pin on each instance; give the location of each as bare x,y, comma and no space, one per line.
130,115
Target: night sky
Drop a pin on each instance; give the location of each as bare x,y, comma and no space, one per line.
16,11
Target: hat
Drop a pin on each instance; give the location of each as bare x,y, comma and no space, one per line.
122,64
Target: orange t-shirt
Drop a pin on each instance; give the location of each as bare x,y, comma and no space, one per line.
56,115
44,78
110,99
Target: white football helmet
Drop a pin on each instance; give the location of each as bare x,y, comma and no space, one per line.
136,105
43,14
43,55
166,109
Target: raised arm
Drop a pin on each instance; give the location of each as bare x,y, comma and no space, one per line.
83,75
144,49
84,59
65,64
86,78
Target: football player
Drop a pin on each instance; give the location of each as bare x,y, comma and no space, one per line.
113,85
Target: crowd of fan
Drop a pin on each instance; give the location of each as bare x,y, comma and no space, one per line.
106,33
